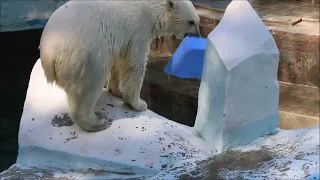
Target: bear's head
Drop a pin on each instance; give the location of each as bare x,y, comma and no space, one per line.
180,18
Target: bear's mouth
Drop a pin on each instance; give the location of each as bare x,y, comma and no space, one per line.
190,35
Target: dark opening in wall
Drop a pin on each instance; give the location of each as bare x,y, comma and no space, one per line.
19,52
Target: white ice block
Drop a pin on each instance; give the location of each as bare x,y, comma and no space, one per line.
239,91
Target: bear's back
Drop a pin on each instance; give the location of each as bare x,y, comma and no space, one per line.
101,23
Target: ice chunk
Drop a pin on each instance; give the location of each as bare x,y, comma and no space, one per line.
239,91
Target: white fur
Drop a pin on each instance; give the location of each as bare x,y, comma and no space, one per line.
84,40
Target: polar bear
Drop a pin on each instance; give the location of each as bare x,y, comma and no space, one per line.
85,44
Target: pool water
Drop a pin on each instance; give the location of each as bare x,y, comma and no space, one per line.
19,52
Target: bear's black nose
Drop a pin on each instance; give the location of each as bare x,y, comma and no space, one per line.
191,22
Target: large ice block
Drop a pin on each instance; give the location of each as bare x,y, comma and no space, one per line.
239,91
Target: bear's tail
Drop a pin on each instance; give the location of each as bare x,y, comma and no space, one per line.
48,65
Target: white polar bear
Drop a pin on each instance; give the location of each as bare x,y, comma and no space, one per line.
85,43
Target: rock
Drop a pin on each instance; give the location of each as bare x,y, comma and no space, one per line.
239,92
136,145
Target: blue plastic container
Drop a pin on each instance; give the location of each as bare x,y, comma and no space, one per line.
187,60
313,177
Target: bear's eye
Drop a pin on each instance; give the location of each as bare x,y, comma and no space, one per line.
191,22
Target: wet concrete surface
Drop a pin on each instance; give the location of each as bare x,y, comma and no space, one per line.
299,99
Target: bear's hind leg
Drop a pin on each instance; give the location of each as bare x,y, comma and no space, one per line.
114,81
81,110
132,75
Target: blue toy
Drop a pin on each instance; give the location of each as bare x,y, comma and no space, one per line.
187,60
313,177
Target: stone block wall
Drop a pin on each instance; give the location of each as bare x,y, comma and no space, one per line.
298,45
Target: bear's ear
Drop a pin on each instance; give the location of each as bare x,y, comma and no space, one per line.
171,4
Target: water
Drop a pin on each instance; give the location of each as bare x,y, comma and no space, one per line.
19,52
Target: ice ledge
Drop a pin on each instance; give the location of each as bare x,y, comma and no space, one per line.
289,154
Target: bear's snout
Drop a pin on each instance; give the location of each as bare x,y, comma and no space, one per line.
194,31
195,34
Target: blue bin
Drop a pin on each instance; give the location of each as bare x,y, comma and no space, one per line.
314,177
187,60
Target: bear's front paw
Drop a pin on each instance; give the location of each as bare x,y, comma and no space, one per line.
97,122
139,105
115,93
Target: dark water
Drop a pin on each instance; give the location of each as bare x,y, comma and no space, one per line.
19,52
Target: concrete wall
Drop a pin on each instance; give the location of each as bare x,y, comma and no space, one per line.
299,66
298,45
